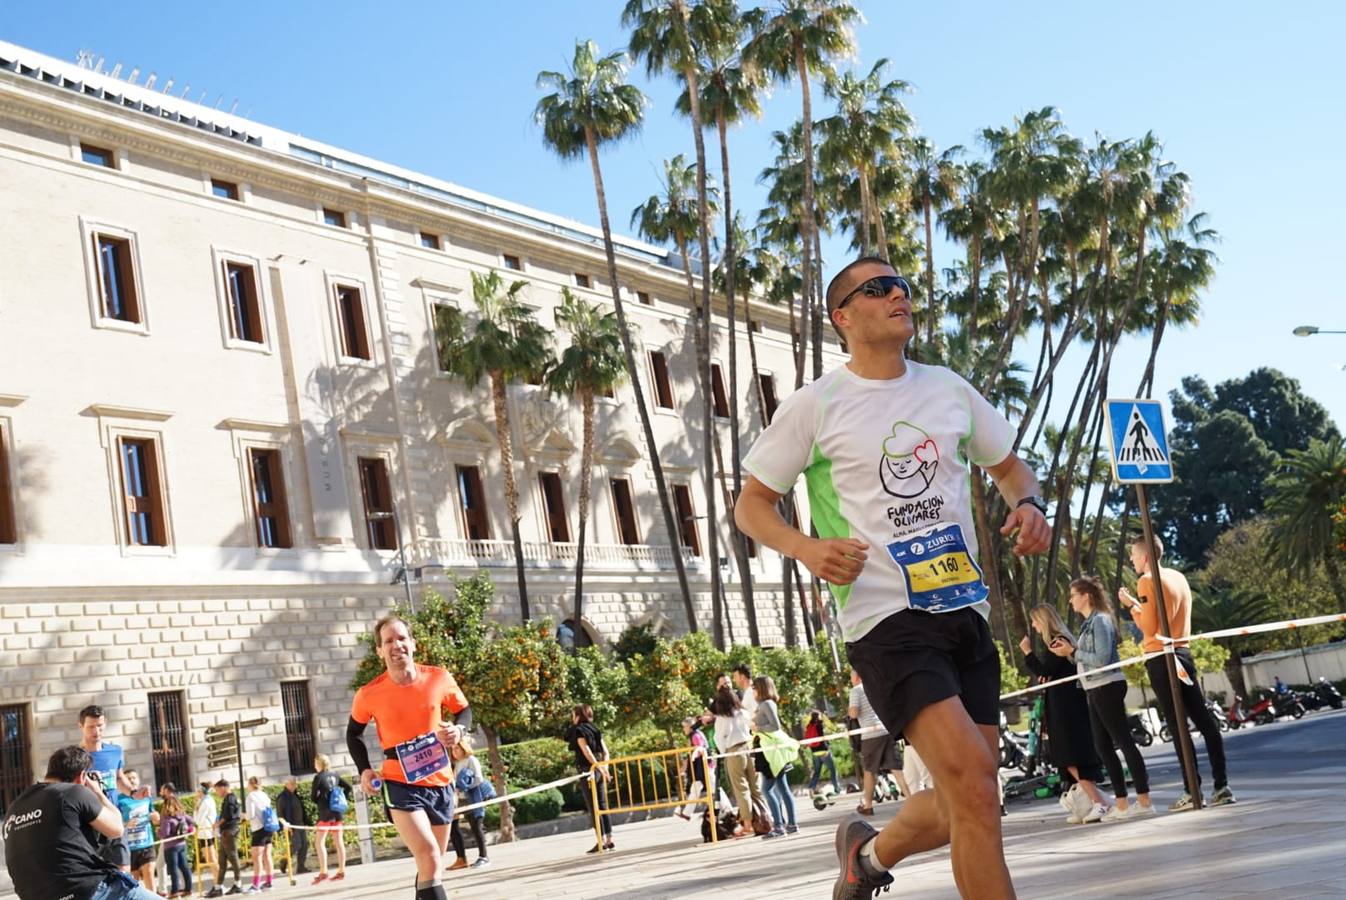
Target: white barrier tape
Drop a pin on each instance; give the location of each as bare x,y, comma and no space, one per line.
1130,661
1258,629
457,809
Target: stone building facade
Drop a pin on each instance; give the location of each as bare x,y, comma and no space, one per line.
222,419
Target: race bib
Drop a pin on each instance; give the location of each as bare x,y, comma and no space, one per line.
939,570
422,757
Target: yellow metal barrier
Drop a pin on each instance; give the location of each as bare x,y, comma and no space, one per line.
643,782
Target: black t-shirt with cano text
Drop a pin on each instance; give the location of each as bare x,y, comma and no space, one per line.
50,845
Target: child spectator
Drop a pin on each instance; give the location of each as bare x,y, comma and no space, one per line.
174,825
475,788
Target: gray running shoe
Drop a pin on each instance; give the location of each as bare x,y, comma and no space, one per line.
1223,797
1182,804
853,882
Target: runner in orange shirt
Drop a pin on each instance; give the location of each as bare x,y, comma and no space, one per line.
408,702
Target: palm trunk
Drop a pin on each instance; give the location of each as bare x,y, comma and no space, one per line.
990,567
880,230
809,219
866,214
735,451
717,609
633,372
708,412
502,436
1334,578
586,473
931,307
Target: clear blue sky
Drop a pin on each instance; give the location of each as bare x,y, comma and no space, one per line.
1247,100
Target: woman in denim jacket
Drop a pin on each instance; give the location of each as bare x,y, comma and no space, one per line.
1106,693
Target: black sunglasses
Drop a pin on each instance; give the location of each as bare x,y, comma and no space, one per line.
881,286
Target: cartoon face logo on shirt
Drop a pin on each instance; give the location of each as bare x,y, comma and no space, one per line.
910,459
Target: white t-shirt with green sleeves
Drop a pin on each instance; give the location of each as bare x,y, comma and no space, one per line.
887,462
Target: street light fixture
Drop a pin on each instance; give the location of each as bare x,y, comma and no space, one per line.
1310,330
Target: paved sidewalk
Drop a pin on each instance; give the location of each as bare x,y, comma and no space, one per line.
1285,838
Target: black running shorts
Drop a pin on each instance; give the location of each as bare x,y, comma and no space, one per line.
913,659
436,802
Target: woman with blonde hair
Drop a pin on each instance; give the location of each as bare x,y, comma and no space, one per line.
326,785
255,806
469,780
1069,740
773,765
1106,692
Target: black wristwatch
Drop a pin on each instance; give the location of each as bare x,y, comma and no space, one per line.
1035,501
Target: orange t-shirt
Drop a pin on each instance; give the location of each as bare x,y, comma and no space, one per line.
405,712
1179,610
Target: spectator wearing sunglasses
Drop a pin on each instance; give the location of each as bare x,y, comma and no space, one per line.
886,447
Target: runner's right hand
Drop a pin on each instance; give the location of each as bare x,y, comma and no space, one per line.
834,560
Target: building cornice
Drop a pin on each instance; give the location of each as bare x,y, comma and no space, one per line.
113,411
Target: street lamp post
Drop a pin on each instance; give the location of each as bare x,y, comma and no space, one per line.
1310,330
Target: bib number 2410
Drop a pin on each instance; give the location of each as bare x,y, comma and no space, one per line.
940,572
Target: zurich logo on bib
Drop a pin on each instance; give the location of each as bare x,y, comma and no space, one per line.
940,572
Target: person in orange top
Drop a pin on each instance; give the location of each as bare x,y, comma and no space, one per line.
408,701
1178,605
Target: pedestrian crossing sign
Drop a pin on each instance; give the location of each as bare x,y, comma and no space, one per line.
1138,442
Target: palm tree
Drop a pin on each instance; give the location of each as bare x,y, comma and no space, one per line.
790,40
504,343
1304,498
729,92
591,365
594,104
666,34
671,216
935,182
863,137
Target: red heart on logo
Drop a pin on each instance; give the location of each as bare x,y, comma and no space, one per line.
927,452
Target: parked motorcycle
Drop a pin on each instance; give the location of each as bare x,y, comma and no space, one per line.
1263,712
1140,733
1216,711
1013,747
1291,704
1327,692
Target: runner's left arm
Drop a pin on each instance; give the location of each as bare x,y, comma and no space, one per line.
1016,481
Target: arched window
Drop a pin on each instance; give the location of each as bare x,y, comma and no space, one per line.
569,636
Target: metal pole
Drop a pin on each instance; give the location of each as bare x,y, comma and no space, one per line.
238,750
1183,738
402,558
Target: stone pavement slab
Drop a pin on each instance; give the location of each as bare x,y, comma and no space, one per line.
1285,838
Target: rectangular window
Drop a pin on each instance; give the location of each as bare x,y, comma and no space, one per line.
625,510
268,499
717,391
442,320
298,726
663,389
768,382
224,189
142,493
582,280
430,241
512,262
682,508
116,278
378,499
97,156
558,524
168,736
245,309
351,323
16,754
9,532
644,298
334,217
472,501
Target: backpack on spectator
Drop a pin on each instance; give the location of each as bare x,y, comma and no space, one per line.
270,821
336,798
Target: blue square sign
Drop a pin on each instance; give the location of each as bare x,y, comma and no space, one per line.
1138,442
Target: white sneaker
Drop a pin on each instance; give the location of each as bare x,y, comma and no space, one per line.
1116,814
1138,811
480,862
1096,813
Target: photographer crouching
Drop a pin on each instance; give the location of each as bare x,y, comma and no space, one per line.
50,834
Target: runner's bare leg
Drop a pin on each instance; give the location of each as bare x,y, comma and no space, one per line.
425,841
963,807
